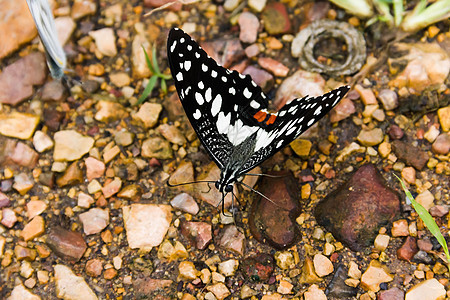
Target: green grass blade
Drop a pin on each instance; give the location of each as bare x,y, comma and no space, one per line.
147,60
148,89
426,218
163,85
155,61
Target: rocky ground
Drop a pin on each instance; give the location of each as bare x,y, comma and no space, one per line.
85,209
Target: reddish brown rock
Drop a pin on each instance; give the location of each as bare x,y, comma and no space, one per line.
224,52
260,77
355,211
53,118
24,155
72,176
258,268
274,222
23,253
198,233
94,267
391,294
157,3
413,156
343,110
442,144
68,245
231,238
147,287
395,132
276,19
53,91
408,249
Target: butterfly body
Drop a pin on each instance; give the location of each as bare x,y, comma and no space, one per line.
228,111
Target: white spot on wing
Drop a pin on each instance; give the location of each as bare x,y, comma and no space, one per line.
197,114
201,85
223,122
197,54
232,91
204,68
216,105
179,76
182,40
174,44
247,93
310,122
187,65
254,104
208,96
224,79
318,110
189,47
280,143
213,74
199,98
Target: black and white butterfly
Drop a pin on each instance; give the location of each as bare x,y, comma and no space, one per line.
228,111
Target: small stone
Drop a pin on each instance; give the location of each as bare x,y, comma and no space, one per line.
426,199
395,132
384,149
249,25
70,286
35,207
230,238
68,245
258,268
110,153
34,228
379,115
148,114
439,210
112,188
301,147
247,292
442,144
70,145
120,79
408,249
284,259
18,125
219,290
430,289
273,66
94,168
25,269
229,267
23,253
314,293
146,224
262,78
354,271
230,5
53,91
108,111
285,287
72,176
156,147
375,274
172,134
370,137
82,8
308,274
94,267
131,192
257,5
42,142
105,41
349,150
409,174
8,217
94,220
444,118
276,18
124,138
322,265
344,109
22,183
391,294
24,155
187,270
400,228
367,95
85,200
411,155
381,242
21,293
431,134
186,203
388,98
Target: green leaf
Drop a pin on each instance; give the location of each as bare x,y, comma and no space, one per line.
148,89
165,76
155,61
147,60
427,219
163,85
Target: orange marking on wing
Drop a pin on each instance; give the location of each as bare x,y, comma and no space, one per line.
260,116
271,119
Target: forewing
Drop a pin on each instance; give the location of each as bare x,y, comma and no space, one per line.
214,98
290,122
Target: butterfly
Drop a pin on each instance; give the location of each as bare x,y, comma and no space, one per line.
45,24
228,111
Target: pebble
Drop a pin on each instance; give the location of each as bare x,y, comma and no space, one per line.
70,145
156,147
370,137
301,147
23,253
42,142
22,183
260,77
33,229
432,133
186,203
18,125
379,115
439,210
258,268
444,118
35,207
366,94
9,217
375,274
112,187
232,239
400,228
172,134
145,287
442,144
410,154
409,174
94,220
364,194
138,61
94,168
247,292
105,41
388,98
187,270
349,150
249,25
82,8
219,290
252,50
384,149
18,78
344,109
353,270
276,18
408,249
322,265
308,275
430,289
71,287
395,132
21,293
284,287
426,199
314,293
68,245
229,267
24,155
257,5
273,66
94,267
124,138
284,259
73,175
146,224
148,114
120,79
381,242
391,294
108,111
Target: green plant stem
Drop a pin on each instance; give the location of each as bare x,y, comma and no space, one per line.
422,16
398,12
360,8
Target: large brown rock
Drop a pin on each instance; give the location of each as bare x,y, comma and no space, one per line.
355,211
413,156
274,222
68,245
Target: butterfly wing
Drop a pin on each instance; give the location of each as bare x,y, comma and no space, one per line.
214,98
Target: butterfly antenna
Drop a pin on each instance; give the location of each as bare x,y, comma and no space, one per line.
261,194
265,175
192,182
